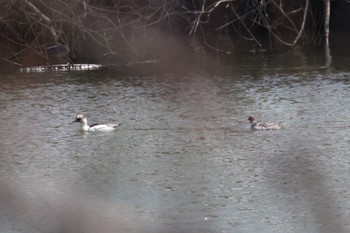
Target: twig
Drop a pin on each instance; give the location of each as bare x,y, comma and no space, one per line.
303,23
43,17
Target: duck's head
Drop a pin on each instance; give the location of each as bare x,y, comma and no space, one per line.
251,119
80,118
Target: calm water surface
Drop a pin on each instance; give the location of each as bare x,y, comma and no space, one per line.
184,159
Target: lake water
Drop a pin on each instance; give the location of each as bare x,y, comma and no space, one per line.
184,159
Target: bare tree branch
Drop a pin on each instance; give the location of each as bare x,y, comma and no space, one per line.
47,20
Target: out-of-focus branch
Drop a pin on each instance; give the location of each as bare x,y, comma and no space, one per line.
46,19
327,6
303,24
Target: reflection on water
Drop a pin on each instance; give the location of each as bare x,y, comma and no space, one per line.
184,159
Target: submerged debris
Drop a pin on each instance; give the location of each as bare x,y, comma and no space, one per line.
61,67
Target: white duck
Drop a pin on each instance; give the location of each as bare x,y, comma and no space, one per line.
95,127
262,126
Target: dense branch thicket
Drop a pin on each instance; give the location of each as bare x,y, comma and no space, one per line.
135,30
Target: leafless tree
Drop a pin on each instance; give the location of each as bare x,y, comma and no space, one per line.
126,30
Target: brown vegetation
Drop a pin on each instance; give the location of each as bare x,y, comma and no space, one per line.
122,31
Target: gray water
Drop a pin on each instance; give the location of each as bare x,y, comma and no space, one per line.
184,159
